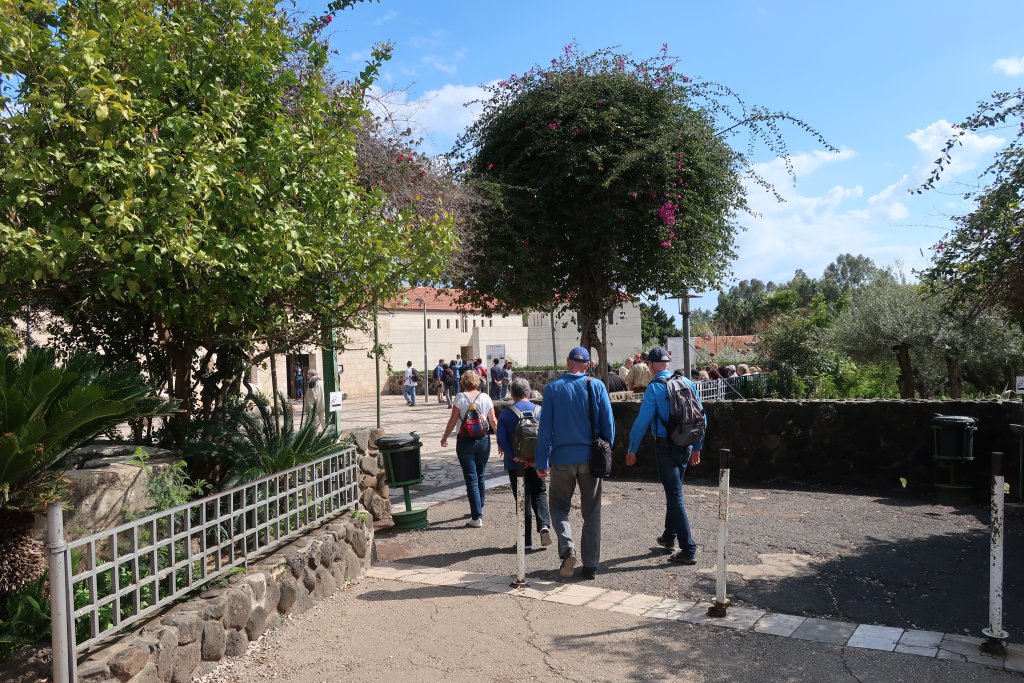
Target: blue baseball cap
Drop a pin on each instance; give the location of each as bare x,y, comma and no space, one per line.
580,355
658,355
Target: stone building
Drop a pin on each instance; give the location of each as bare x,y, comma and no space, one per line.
426,318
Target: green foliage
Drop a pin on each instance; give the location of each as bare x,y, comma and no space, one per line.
9,341
981,262
605,175
25,618
169,486
188,170
656,326
47,410
247,444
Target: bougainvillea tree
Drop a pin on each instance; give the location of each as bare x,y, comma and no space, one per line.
604,178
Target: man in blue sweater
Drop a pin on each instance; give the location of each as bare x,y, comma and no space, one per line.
563,450
672,460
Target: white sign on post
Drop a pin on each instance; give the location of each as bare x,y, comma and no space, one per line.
495,351
335,406
1020,384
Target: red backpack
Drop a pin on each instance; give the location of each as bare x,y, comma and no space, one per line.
473,426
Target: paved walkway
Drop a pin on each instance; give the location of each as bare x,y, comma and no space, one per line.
826,585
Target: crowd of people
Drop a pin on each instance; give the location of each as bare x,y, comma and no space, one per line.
557,460
446,376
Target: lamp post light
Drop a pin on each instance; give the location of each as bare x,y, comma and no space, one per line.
426,381
684,312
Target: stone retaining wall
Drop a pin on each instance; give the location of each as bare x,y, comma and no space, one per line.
194,636
847,442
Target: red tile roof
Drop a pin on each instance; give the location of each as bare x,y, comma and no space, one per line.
436,300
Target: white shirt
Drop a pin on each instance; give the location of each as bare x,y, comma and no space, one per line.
409,381
484,406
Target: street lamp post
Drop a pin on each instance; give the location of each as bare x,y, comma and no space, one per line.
684,312
426,380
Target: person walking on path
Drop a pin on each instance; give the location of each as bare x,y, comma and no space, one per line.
672,460
497,379
472,420
439,380
314,398
639,375
299,383
508,379
409,386
563,447
536,489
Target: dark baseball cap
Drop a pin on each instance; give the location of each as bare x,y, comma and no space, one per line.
658,355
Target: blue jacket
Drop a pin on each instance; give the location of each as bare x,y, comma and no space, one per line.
656,403
565,432
507,423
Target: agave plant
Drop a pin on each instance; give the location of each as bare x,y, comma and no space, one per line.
251,445
46,411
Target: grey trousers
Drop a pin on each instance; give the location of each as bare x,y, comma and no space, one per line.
562,481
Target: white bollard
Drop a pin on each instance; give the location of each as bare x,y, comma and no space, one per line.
61,625
721,604
521,525
995,636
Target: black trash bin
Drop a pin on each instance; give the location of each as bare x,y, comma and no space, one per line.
403,469
401,458
954,445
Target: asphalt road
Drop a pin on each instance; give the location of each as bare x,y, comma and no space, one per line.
857,556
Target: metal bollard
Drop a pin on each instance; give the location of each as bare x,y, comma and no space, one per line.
995,636
62,635
721,604
521,525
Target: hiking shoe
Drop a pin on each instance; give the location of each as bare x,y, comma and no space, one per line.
545,536
588,573
666,543
568,564
476,523
682,558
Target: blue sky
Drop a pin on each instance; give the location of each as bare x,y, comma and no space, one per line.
882,81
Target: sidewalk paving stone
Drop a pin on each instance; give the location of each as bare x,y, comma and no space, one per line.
778,624
825,631
966,649
876,637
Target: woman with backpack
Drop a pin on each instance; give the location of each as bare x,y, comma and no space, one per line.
473,422
517,442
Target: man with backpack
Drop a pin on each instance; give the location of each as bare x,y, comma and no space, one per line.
450,380
517,442
673,411
439,380
497,379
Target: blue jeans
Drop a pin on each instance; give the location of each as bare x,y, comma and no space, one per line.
473,455
409,392
672,461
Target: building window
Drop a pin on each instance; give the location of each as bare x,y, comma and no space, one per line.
611,318
428,323
474,322
447,324
438,323
492,323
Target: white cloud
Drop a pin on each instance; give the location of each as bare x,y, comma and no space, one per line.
1010,66
444,65
386,18
809,231
438,115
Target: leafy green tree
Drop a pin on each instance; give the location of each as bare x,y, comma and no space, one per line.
656,326
188,170
982,260
888,316
603,175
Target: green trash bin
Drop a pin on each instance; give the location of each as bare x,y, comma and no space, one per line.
402,466
954,446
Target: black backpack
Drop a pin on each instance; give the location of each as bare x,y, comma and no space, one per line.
415,375
524,439
449,377
685,425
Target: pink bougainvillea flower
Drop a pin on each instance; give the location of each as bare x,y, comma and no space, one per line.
552,126
666,244
490,166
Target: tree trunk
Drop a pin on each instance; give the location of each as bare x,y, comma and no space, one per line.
603,374
953,373
906,370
